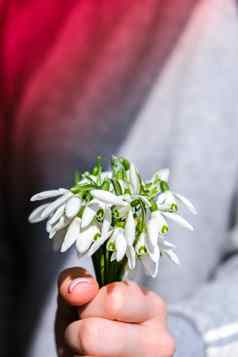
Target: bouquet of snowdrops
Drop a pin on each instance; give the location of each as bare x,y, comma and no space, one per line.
115,217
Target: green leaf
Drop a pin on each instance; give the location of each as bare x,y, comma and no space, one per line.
97,169
164,186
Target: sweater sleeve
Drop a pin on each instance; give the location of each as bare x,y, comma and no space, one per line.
213,311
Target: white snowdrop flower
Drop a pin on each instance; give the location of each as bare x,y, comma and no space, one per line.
130,229
48,194
187,203
162,224
108,198
86,238
155,226
35,216
134,179
162,174
71,235
166,201
58,240
130,234
121,211
172,256
63,222
72,207
105,232
56,216
178,219
53,206
118,244
121,244
149,260
90,212
168,248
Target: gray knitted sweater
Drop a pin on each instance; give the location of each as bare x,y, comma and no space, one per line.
162,89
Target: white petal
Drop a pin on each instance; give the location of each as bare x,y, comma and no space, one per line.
86,238
160,220
164,243
106,221
151,267
72,207
130,228
49,227
58,240
164,174
98,243
48,194
121,245
187,203
72,234
153,229
134,179
108,197
141,242
113,256
155,256
172,255
165,200
149,245
56,204
106,174
62,223
56,216
35,216
123,211
89,213
144,199
178,219
131,256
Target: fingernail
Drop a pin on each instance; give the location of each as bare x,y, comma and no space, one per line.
76,282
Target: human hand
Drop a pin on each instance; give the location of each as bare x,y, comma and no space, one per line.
118,320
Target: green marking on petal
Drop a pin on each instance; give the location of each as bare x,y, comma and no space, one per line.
153,206
100,215
97,237
120,224
173,207
164,229
111,247
142,251
115,213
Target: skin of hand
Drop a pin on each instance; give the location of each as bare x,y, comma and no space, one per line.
119,320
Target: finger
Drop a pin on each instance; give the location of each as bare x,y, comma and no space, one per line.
125,302
65,315
77,287
87,337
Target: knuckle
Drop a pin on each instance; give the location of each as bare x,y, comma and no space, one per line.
115,301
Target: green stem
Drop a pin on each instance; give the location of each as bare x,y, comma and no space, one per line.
106,271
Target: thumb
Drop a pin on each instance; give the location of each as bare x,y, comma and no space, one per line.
77,287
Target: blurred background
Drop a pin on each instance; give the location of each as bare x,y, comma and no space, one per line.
153,80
